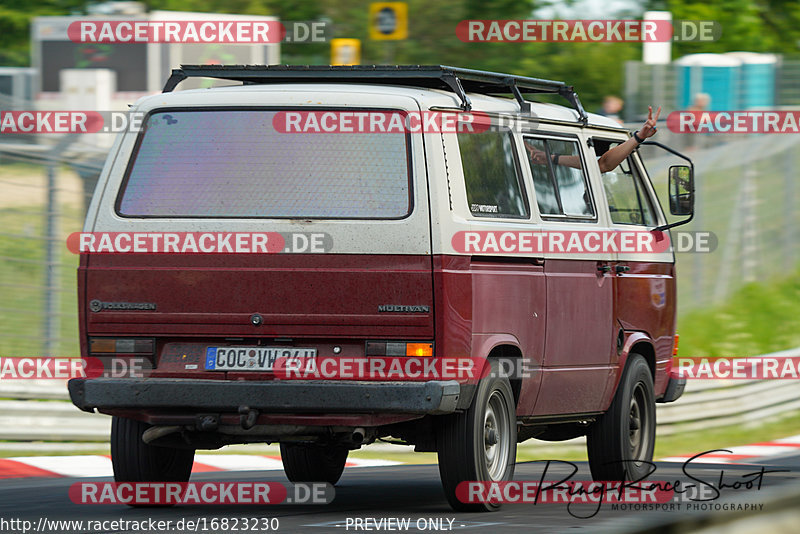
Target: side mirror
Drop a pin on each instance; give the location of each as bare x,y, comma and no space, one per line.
681,190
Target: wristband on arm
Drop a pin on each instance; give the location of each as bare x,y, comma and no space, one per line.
638,139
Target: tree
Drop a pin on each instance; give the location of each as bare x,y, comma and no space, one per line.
15,23
747,25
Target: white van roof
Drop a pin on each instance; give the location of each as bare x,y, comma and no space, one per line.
433,86
427,98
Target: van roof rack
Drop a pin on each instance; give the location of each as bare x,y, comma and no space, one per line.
460,81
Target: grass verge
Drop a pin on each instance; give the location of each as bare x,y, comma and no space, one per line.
757,319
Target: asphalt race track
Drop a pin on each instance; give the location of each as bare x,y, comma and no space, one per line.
405,491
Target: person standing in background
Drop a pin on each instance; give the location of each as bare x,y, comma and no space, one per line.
612,105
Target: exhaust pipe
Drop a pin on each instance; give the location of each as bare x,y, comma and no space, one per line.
358,436
156,432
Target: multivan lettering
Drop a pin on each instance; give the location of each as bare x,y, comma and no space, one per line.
399,308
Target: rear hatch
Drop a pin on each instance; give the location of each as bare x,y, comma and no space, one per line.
351,211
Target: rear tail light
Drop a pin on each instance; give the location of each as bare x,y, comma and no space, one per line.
419,349
675,346
99,346
399,348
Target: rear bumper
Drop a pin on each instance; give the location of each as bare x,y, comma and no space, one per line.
434,397
674,390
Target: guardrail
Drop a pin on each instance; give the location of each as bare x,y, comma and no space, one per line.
39,410
714,403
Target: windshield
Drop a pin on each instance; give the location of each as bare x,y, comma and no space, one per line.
233,163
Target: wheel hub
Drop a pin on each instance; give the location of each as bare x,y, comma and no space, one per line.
495,436
491,437
638,433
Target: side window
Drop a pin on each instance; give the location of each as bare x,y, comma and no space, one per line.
491,175
558,178
628,201
543,182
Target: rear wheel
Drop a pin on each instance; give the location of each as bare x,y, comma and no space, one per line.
136,461
304,462
479,444
621,441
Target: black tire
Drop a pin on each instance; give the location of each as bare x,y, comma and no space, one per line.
621,441
464,442
313,463
136,461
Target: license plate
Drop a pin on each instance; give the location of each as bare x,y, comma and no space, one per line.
252,358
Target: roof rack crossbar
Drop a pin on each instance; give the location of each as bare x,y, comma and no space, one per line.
455,84
524,107
575,102
177,76
460,81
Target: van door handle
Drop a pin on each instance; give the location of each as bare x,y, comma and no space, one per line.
604,268
622,268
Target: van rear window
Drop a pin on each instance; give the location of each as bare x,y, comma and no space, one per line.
233,163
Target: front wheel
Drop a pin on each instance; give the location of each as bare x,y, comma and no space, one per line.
620,443
479,444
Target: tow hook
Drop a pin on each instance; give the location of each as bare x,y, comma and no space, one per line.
247,417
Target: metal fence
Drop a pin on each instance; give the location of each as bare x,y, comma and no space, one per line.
747,196
46,184
746,191
661,85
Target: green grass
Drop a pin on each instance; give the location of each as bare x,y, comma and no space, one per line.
22,282
758,318
710,278
101,449
728,436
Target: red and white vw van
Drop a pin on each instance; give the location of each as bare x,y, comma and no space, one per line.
409,244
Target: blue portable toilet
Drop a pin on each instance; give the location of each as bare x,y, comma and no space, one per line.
756,79
716,75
